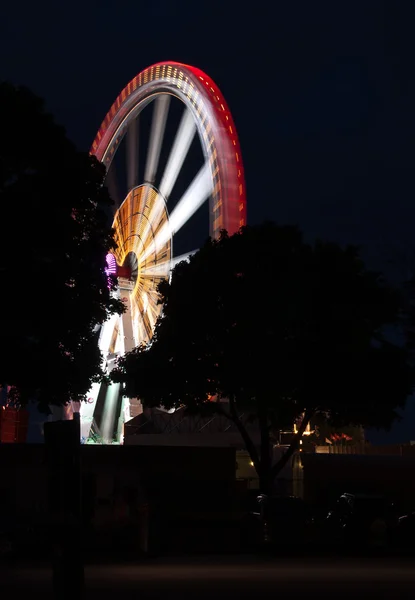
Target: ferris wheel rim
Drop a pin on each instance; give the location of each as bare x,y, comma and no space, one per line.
171,78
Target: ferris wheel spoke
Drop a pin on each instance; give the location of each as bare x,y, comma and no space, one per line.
158,125
132,154
160,269
152,317
156,213
178,153
196,194
183,257
146,313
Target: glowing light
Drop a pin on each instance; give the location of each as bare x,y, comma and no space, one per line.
162,270
111,268
196,194
142,213
157,212
193,88
180,148
158,125
132,154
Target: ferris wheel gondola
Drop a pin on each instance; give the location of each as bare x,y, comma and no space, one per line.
145,224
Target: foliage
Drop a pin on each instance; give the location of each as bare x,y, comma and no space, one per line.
280,328
54,236
323,433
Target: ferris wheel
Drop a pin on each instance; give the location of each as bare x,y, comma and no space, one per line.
146,219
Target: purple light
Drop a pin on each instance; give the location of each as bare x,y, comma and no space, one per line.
111,268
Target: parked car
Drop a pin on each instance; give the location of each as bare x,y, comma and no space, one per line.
280,523
361,521
405,533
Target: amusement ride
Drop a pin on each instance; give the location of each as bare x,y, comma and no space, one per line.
145,223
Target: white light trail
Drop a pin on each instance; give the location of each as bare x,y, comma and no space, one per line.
106,334
195,195
109,412
132,154
162,269
145,301
180,148
158,125
178,259
88,408
156,212
151,317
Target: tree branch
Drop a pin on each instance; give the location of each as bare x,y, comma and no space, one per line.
279,465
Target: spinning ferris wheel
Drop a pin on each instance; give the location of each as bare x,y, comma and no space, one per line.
145,221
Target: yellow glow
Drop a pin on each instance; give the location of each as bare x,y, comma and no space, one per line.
307,431
142,206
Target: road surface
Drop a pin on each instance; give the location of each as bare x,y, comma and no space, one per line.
226,577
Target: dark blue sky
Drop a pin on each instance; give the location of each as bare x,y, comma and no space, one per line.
322,93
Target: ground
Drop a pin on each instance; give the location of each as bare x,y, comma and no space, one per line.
230,577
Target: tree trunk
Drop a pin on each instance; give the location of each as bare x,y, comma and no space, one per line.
279,465
265,483
265,479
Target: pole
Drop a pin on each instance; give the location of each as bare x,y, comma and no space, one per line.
63,453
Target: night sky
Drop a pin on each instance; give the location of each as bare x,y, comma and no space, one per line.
322,94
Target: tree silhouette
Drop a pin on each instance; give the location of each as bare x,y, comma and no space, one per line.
54,236
279,328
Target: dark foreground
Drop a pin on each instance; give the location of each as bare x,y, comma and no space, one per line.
227,577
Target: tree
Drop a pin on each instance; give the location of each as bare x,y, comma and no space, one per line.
54,236
282,330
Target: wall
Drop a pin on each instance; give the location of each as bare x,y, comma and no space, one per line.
326,476
125,490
